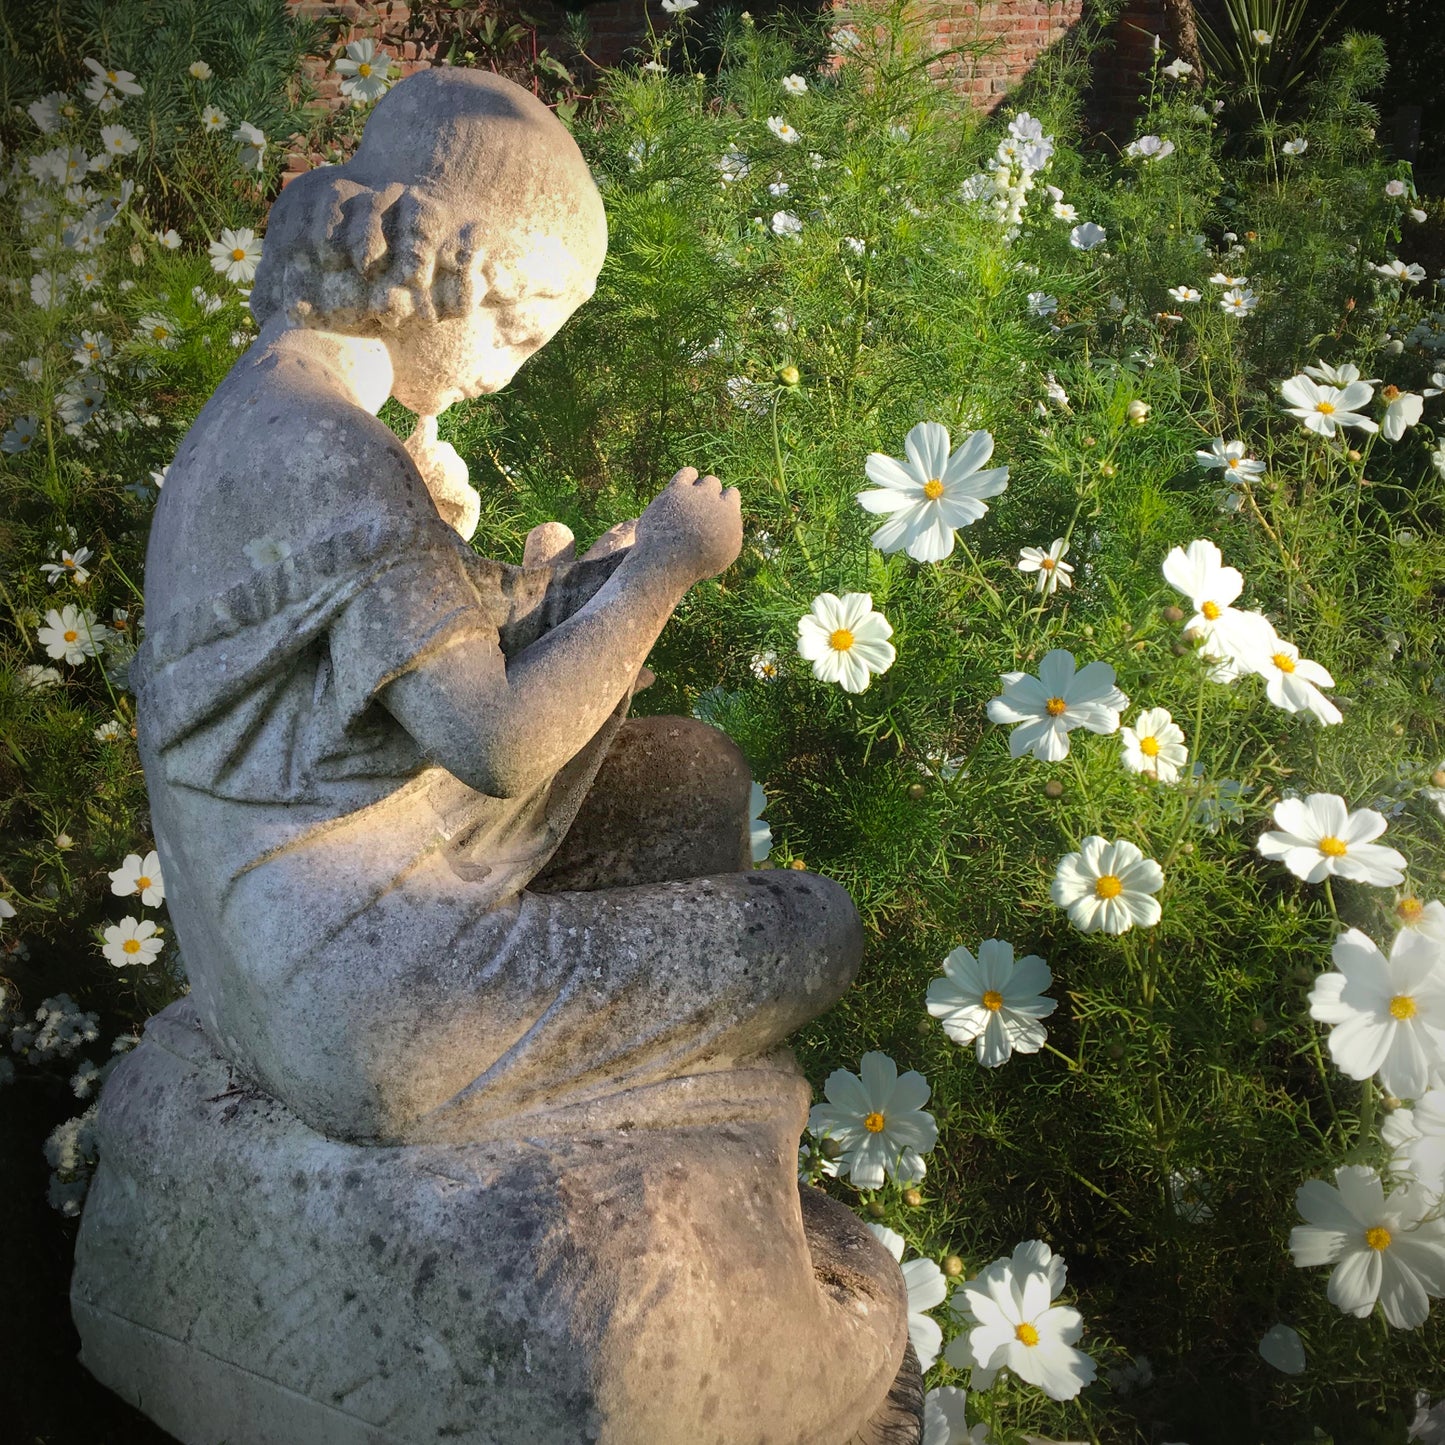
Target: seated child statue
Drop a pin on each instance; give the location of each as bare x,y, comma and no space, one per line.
446,912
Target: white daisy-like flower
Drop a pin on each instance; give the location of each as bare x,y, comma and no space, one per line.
1043,710
1238,301
80,399
764,665
91,348
1325,409
945,1419
1262,37
1383,1249
1318,837
1403,409
116,140
158,330
213,118
1049,565
1226,634
1108,887
1063,211
109,732
140,875
1185,295
49,111
69,634
1341,375
877,1118
1416,1137
1232,460
199,70
1283,1348
787,225
1087,235
1178,68
931,493
38,678
1154,745
1296,147
927,1289
1018,1327
1042,304
1398,270
1387,1015
783,130
1425,918
993,1002
236,255
1055,392
253,143
1223,278
365,70
1293,682
794,85
1187,1196
760,835
846,640
71,565
121,81
20,435
1149,148
132,941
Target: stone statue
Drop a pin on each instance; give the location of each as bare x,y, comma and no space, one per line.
476,1123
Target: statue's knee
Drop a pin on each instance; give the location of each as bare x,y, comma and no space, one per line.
688,758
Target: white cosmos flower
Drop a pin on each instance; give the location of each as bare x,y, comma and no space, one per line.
158,330
132,941
1341,375
1048,707
1087,235
764,665
69,633
945,1419
1296,147
1053,572
1382,1248
365,72
783,130
1226,633
1402,410
1155,745
253,145
760,835
1230,458
1042,304
787,225
1149,148
1187,1196
1185,295
878,1119
140,875
91,348
1238,301
1397,270
1262,37
993,1001
846,640
927,1289
1108,887
1178,69
1417,1138
932,492
1223,278
116,140
794,84
199,70
1293,682
1387,1015
71,564
120,80
1425,918
214,118
1325,409
1063,211
1019,1328
236,255
679,7
20,434
1282,1348
1319,838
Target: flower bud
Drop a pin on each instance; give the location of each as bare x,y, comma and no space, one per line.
875,1208
1173,614
1053,788
1354,455
1107,469
1138,413
830,1149
953,1266
789,375
912,1198
917,791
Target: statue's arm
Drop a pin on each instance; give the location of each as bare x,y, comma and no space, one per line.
505,724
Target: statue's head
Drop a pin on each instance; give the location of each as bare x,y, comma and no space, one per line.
464,231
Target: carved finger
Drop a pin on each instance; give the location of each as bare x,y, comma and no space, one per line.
548,542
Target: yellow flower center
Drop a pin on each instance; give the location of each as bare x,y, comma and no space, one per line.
1332,847
1108,885
1026,1334
159,332
70,635
1149,747
239,254
131,945
1408,910
1325,408
874,1123
1378,1238
363,70
111,76
1232,463
992,1000
1047,564
1211,610
68,562
142,883
1402,1007
933,489
1283,661
1390,393
840,640
1055,707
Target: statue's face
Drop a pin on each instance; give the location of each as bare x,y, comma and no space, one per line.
441,362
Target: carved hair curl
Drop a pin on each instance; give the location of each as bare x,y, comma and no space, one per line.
345,257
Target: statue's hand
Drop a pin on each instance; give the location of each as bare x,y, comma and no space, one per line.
695,524
445,475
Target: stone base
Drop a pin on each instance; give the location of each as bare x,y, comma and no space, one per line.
246,1281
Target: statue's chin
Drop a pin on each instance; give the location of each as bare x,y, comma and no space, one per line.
460,508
